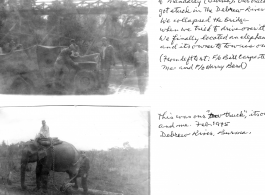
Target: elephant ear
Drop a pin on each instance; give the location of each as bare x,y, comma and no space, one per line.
42,154
32,147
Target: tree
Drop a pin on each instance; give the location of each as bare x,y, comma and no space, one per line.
3,149
4,145
59,27
126,145
12,150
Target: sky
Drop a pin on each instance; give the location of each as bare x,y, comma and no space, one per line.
85,127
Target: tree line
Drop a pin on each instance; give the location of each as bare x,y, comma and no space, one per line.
26,28
10,150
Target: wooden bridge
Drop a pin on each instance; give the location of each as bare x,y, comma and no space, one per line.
43,7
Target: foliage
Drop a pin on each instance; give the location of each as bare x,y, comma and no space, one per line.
60,27
10,151
9,158
124,170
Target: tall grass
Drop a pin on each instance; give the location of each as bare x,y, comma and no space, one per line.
124,170
120,170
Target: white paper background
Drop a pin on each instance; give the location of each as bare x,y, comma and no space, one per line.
231,165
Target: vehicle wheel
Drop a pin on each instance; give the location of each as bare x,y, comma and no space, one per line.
20,86
86,81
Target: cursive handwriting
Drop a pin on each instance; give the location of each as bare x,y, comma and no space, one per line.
219,28
209,123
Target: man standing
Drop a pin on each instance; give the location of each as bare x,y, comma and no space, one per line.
107,59
141,65
44,131
63,63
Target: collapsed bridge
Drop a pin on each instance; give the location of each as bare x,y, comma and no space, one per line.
44,7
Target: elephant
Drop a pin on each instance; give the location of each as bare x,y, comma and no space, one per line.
65,156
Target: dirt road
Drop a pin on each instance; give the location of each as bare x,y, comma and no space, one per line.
124,84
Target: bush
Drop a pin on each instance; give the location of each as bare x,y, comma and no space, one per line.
120,168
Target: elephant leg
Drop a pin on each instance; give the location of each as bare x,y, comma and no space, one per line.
38,175
44,177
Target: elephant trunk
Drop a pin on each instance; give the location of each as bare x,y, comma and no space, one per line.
22,173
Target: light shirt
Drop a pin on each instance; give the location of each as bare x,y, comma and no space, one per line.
103,52
44,131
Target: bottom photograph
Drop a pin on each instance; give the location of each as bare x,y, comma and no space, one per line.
74,150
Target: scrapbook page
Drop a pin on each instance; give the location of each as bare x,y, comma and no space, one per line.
173,89
207,123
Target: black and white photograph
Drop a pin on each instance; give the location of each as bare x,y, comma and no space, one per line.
73,47
74,150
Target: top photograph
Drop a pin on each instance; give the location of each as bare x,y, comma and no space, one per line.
73,47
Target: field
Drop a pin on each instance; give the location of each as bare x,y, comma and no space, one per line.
118,170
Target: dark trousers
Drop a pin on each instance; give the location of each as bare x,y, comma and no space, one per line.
105,68
141,76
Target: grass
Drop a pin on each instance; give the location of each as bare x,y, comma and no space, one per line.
120,170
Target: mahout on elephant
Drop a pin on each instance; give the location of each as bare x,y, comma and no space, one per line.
56,155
